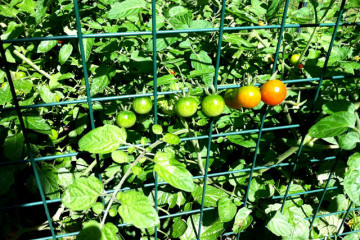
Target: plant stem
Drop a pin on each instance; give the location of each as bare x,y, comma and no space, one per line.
28,61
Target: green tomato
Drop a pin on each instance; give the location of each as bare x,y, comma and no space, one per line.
97,208
186,106
126,119
294,59
142,105
113,211
54,135
213,105
19,75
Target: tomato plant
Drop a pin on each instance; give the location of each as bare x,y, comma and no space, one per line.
248,96
186,106
273,92
142,105
126,119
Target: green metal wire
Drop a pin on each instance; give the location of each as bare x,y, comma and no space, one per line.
154,33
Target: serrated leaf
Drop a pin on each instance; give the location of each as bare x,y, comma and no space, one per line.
65,53
125,9
82,194
105,139
333,125
136,209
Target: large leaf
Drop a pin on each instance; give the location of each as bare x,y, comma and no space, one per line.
88,43
174,172
279,225
105,139
5,95
101,79
92,231
136,209
242,220
46,46
260,189
352,185
46,95
82,194
125,9
202,61
333,125
49,181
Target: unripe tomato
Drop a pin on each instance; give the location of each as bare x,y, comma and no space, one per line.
126,119
230,99
213,105
54,135
248,96
273,92
97,208
19,75
113,211
142,105
294,59
186,106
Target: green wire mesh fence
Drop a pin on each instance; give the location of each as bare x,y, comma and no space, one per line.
210,136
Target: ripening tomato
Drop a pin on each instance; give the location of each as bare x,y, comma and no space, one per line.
186,106
261,23
272,58
142,105
248,96
301,66
60,41
213,105
172,72
230,99
273,92
126,119
294,59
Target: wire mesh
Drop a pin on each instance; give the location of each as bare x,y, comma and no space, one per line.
154,33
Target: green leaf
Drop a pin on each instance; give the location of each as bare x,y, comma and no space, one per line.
333,125
352,185
13,147
88,43
92,230
49,181
241,140
237,40
243,220
37,124
226,209
354,161
338,106
198,73
5,95
161,43
65,53
181,20
200,24
279,225
171,139
352,236
178,228
175,173
6,178
46,46
211,227
101,79
105,139
238,178
46,95
349,140
82,194
125,9
23,85
260,189
136,209
120,156
273,7
212,195
157,129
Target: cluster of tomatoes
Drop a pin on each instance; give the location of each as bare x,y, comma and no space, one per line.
271,93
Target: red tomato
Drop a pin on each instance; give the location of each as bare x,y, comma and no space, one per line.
273,92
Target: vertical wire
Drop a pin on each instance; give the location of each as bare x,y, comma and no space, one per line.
323,72
221,31
28,149
89,101
344,219
154,41
266,109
